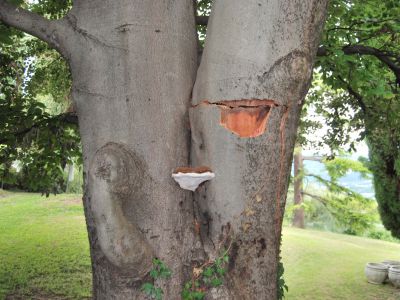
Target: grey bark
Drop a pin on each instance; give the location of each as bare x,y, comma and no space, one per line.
133,65
132,81
265,53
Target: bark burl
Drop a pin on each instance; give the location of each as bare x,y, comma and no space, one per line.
143,112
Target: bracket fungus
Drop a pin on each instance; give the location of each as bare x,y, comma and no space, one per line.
190,178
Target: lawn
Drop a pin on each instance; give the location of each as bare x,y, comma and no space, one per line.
44,254
325,266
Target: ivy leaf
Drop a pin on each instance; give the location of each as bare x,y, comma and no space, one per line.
208,272
148,288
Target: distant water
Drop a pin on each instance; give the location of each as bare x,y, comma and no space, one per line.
352,180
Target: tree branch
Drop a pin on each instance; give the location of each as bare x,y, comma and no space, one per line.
34,24
355,95
319,198
383,56
202,20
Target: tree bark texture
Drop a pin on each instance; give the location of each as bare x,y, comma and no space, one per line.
298,217
133,78
134,65
254,73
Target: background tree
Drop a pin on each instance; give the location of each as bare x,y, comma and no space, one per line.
349,211
36,130
360,62
134,61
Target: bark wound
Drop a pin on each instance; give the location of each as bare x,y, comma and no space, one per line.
245,118
116,175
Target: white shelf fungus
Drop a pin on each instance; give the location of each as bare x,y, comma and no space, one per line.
191,178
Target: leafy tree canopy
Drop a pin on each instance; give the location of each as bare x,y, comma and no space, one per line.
38,135
359,66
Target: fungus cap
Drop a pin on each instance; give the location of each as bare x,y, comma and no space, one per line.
191,178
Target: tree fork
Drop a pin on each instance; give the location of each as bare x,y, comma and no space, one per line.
133,74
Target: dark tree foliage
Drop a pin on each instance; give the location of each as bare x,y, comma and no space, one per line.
36,137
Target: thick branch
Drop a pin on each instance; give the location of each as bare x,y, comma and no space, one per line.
34,24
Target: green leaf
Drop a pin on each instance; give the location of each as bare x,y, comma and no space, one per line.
221,271
216,282
147,288
158,294
208,272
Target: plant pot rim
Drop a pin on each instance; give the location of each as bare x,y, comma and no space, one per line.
395,269
391,262
377,266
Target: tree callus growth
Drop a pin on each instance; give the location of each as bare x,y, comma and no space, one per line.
136,91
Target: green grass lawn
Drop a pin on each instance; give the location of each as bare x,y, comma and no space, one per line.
323,265
44,254
44,251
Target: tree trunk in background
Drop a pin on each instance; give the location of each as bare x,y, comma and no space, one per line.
298,217
254,74
133,65
70,176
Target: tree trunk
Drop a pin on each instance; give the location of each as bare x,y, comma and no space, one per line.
133,65
70,176
298,218
132,88
254,74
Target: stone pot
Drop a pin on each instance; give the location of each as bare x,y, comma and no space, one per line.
391,263
394,275
376,273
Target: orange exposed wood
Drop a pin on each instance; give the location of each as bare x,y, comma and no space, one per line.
246,118
201,169
245,122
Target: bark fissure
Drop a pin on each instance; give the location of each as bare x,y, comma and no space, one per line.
72,21
278,212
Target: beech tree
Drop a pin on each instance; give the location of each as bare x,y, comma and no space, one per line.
143,112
